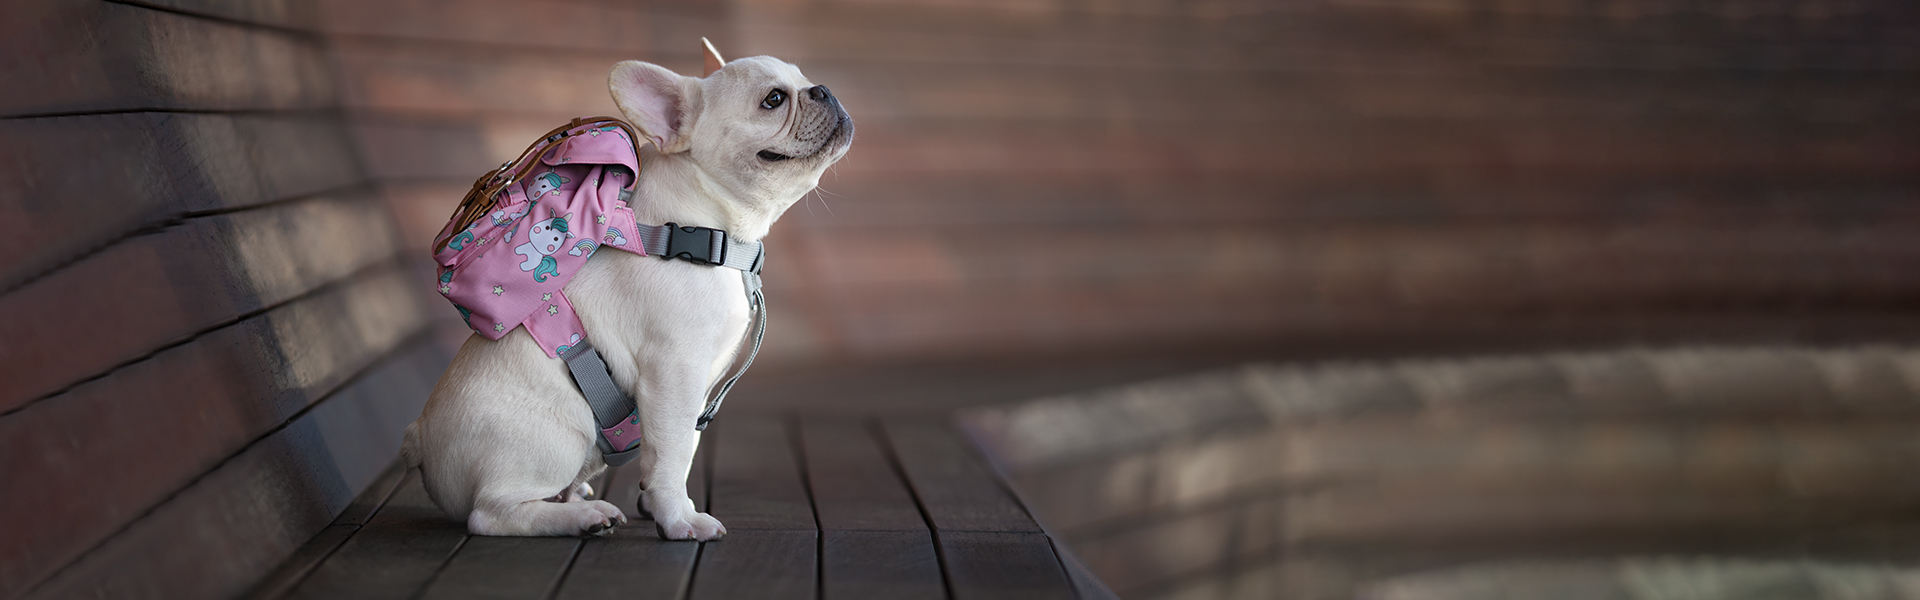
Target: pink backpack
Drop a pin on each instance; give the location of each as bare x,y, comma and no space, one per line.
526,228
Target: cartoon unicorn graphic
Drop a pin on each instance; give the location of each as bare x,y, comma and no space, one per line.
502,218
563,348
543,239
545,183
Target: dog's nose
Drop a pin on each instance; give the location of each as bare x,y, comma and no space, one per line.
819,92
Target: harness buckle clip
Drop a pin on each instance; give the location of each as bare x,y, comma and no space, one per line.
695,244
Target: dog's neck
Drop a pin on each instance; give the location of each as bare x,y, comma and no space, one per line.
672,189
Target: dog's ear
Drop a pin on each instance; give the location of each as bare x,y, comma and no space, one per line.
662,103
714,62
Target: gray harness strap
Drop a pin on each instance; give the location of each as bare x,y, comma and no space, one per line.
698,245
701,245
610,405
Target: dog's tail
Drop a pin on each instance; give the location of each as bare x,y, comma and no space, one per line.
410,446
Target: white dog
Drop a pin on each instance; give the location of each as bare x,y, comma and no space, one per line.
506,429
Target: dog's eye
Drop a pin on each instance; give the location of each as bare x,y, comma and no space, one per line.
774,99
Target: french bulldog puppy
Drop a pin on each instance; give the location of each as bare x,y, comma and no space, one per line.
505,430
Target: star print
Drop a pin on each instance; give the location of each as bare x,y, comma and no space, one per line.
498,290
547,296
553,309
446,289
499,326
602,219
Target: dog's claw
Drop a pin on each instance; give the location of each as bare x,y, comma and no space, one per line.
601,528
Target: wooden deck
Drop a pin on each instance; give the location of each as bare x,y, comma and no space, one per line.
814,507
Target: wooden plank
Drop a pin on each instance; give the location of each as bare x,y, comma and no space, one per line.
211,397
615,27
290,572
991,564
853,485
631,562
302,562
194,277
454,151
99,56
393,555
143,169
756,479
1304,277
880,564
501,568
1086,585
290,14
365,422
757,563
219,536
374,495
392,75
956,490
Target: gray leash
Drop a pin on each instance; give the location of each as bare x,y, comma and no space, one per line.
699,245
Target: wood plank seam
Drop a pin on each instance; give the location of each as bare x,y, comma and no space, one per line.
693,574
280,589
384,489
304,33
421,337
392,262
792,426
181,218
139,110
553,587
444,561
879,435
514,45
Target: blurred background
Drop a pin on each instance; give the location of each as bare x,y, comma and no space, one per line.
1426,221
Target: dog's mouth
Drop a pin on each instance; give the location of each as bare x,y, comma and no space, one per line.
839,136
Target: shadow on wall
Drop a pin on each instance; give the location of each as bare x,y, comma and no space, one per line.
1049,177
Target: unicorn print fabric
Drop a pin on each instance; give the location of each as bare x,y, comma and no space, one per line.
507,269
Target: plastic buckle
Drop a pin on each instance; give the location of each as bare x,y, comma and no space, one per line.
692,244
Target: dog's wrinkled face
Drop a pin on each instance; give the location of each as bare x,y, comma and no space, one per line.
757,127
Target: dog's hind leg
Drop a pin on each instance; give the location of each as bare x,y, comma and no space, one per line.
519,493
537,516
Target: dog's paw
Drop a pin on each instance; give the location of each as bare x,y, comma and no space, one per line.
697,526
580,492
597,517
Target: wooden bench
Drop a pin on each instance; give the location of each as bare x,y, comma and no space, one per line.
833,507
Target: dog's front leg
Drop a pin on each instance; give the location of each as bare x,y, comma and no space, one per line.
668,413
